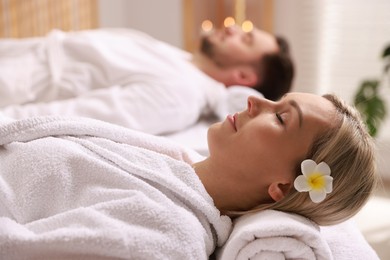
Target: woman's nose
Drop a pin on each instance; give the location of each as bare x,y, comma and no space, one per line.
257,104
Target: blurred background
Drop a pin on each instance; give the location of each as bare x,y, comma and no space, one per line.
337,45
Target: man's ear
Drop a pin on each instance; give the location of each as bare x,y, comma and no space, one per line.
245,76
277,191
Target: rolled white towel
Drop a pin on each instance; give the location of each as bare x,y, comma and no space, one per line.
273,235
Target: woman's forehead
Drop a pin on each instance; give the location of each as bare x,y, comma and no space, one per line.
315,108
308,99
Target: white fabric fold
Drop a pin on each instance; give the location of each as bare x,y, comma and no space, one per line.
272,235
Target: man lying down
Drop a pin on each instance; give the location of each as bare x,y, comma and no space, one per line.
76,187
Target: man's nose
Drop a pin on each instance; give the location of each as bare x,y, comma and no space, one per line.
231,30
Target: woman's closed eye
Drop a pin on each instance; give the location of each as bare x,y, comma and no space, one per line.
280,118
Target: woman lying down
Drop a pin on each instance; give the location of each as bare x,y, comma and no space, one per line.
84,188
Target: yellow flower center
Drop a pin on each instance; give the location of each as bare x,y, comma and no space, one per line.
316,181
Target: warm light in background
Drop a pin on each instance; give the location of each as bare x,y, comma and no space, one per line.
229,21
247,26
238,19
207,25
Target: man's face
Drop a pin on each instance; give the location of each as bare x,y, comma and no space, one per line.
232,46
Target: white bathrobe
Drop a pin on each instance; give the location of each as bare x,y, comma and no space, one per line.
120,76
85,189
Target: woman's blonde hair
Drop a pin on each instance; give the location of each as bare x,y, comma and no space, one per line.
349,151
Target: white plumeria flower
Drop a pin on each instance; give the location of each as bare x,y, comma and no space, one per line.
316,180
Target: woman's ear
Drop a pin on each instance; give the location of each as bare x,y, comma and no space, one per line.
277,191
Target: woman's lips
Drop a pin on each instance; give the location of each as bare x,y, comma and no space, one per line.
232,120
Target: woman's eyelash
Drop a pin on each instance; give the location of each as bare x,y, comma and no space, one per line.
279,117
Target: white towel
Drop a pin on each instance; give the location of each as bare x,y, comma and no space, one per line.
80,188
273,235
347,242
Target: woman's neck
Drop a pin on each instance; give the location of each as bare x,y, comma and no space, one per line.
226,194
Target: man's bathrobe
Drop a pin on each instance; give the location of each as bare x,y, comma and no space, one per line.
120,76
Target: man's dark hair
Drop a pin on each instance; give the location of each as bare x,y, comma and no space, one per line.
277,72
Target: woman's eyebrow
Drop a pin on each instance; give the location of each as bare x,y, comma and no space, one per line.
294,104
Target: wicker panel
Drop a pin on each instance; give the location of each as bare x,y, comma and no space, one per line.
27,18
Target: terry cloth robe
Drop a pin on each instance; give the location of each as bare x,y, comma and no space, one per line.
119,76
81,188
